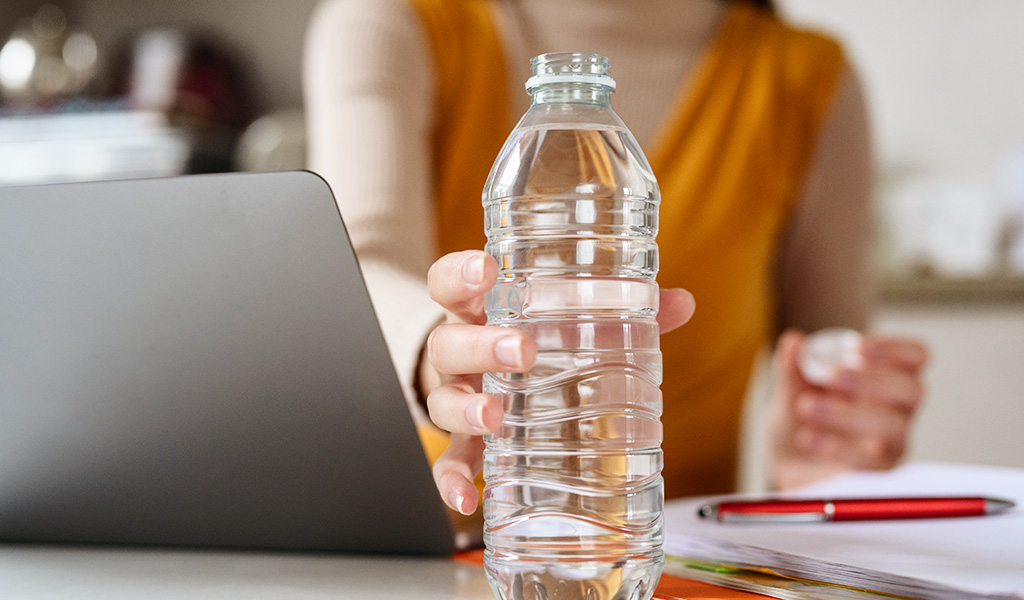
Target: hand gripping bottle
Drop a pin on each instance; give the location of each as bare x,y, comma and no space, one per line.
573,498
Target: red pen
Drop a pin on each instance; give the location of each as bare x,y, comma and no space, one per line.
851,509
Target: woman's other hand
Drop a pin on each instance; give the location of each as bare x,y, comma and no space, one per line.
859,419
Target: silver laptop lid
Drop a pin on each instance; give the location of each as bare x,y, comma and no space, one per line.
195,361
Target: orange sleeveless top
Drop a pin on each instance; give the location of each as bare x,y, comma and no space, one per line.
730,163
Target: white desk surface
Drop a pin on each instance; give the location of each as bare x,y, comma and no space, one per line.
110,573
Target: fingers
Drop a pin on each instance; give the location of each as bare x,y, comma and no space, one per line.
676,308
462,351
458,348
788,347
458,409
863,422
897,353
832,430
885,387
827,414
851,452
458,281
787,366
454,472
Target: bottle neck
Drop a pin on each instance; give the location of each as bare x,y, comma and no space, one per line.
572,93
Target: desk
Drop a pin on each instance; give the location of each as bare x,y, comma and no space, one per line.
86,573
108,573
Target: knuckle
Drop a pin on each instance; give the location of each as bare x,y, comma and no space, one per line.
875,451
433,353
439,472
437,280
804,401
897,447
436,406
904,390
431,280
915,393
808,440
881,453
901,426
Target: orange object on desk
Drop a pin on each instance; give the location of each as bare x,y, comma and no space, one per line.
670,587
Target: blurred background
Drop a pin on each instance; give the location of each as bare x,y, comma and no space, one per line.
96,89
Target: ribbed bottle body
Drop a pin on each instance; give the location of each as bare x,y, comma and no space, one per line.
573,502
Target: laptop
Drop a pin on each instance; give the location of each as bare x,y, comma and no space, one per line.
195,361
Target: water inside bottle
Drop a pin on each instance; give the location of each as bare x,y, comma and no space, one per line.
574,497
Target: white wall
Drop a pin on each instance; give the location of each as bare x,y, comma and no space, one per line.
945,78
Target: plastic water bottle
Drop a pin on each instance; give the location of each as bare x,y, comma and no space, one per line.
574,496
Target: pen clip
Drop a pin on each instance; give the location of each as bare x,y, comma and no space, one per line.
729,513
794,517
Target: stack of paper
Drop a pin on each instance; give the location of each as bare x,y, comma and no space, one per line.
954,558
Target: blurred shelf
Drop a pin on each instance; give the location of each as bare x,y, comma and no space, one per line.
93,140
82,146
1002,288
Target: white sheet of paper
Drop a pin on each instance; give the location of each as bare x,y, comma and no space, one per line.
983,555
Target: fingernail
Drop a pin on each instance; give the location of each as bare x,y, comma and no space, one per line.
473,270
457,501
475,414
509,350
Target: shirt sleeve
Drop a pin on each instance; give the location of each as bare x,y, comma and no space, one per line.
825,275
369,90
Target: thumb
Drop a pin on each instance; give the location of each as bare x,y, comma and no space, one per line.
787,365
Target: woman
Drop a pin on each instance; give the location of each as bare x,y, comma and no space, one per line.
758,136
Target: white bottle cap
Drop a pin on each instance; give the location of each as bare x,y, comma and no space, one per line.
828,351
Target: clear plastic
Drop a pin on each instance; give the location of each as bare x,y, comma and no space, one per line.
574,495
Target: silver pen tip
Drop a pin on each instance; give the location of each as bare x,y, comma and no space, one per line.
997,505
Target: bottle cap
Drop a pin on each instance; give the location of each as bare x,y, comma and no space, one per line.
827,351
570,67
